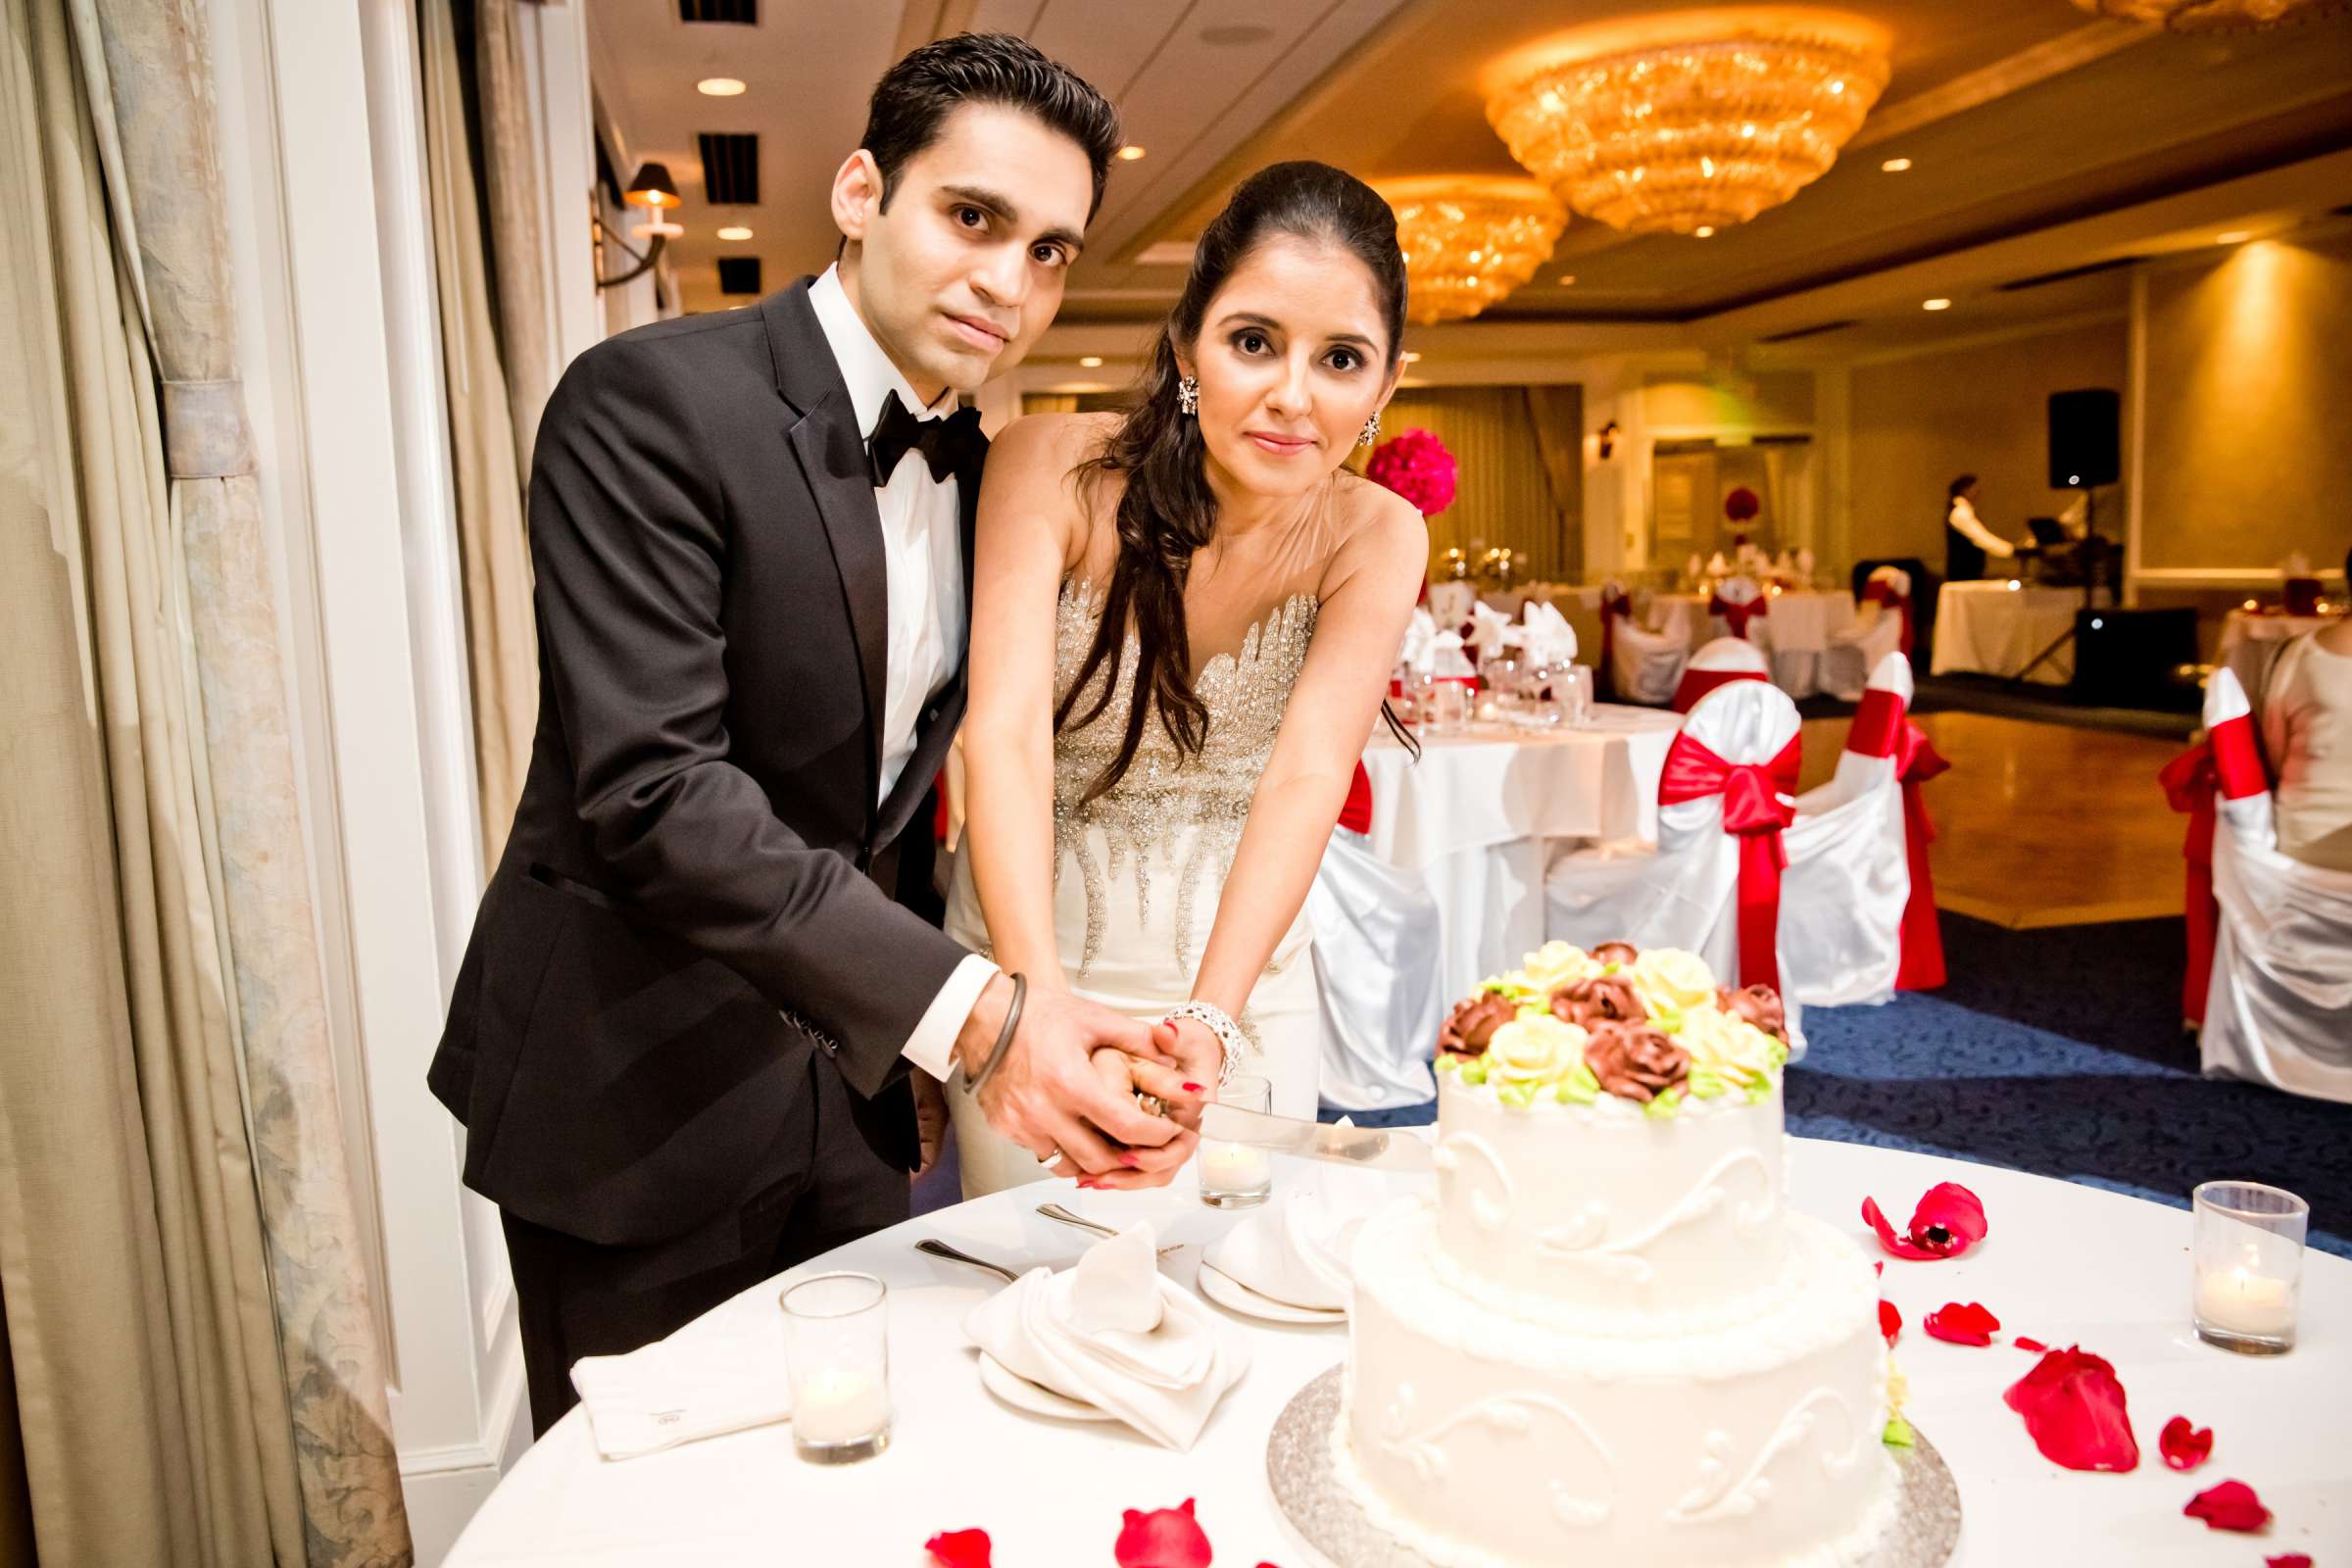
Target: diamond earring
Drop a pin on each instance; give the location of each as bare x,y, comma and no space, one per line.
1188,396
1371,430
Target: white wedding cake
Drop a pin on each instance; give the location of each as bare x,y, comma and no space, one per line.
1608,1340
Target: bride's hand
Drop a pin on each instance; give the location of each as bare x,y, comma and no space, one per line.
1197,1052
1126,1076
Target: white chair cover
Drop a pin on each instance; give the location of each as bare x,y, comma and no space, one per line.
1730,612
2278,1010
1717,663
1646,665
1877,631
1686,892
1849,876
1380,975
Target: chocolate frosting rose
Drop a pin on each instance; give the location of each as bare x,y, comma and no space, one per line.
1473,1023
1634,1061
1616,953
1603,999
1759,1005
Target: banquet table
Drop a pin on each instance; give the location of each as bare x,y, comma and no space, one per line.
1481,815
2066,1263
1997,626
2251,640
1797,629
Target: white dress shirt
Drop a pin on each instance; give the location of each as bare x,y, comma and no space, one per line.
925,576
1963,516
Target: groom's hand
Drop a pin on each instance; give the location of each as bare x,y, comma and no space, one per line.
1046,1095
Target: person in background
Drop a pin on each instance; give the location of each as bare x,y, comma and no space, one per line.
2307,734
1966,541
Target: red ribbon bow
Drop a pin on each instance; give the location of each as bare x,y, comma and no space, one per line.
1736,616
1757,805
1881,729
2225,762
1883,593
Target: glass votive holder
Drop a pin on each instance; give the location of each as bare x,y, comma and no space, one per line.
837,1357
2249,1251
1238,1175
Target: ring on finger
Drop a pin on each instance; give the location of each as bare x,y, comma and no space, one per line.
1151,1104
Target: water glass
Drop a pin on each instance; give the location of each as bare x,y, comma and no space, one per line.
1572,689
1239,1175
1449,707
837,1356
2248,1248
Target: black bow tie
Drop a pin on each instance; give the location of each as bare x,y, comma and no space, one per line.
950,446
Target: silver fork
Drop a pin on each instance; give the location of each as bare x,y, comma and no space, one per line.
1068,1217
939,1249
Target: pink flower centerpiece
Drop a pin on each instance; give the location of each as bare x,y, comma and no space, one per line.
1417,466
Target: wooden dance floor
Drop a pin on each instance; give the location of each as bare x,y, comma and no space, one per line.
2042,825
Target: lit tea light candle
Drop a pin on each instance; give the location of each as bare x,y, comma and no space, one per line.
839,1404
2241,1300
1233,1168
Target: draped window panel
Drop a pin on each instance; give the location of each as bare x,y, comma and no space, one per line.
1508,494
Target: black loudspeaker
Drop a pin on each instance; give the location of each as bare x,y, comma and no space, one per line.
2085,449
2126,657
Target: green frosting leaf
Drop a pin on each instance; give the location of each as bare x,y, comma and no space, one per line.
1519,1094
1899,1433
1667,1022
1474,1071
1758,1094
1666,1104
1707,1084
1447,1061
1579,1087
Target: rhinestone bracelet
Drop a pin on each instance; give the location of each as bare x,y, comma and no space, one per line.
1233,1043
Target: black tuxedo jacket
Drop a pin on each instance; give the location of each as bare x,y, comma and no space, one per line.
699,888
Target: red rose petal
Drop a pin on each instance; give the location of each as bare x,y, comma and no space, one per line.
1962,1325
2231,1505
1886,1237
1890,1321
2292,1559
1164,1538
1953,1209
2025,1343
2076,1411
960,1549
2184,1447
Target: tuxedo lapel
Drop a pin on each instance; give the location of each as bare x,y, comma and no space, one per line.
831,451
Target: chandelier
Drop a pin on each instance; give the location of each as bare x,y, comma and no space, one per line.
1690,121
1469,240
2192,16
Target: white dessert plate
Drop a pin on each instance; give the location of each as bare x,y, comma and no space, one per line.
1235,1297
1035,1397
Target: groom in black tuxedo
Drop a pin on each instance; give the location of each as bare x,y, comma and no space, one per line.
681,1037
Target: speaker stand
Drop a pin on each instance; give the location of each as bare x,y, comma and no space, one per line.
2093,565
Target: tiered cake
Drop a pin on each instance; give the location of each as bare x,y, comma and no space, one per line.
1608,1340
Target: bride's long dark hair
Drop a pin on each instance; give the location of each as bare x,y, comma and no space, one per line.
1168,510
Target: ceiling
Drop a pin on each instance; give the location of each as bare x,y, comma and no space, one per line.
2025,121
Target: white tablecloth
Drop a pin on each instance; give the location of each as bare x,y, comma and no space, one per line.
2064,1264
1995,628
2249,642
1479,816
1798,628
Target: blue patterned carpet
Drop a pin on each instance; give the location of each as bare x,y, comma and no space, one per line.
2060,1051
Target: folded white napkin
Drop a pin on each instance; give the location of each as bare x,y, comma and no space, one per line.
1806,562
1293,1251
1420,650
1717,567
722,1374
1546,635
1117,1334
1490,631
1694,570
1446,659
1784,564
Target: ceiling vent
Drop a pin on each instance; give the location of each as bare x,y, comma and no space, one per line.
739,274
745,13
730,169
2041,279
1794,333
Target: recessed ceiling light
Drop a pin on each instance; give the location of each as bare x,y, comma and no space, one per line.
1130,153
734,231
1091,361
1895,165
1935,305
718,86
1704,231
1566,278
1412,356
2234,236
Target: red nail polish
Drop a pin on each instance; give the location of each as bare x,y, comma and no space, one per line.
1128,1159
1191,1089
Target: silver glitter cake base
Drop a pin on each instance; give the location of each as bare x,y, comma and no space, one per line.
1926,1529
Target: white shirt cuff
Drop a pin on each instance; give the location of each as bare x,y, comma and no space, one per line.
932,1046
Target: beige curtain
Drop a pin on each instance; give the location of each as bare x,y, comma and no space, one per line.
1557,416
493,541
517,242
1503,496
194,1355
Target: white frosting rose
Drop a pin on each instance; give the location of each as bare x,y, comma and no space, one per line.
1728,1046
1672,980
1557,965
1534,1048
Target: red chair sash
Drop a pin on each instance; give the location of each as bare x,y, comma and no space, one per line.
1612,607
1881,729
1883,593
1757,805
2190,782
1696,684
1356,815
1736,616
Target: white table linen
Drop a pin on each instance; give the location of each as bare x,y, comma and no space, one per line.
2065,1263
1997,626
1796,631
1481,815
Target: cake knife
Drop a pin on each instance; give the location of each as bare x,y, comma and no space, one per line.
1363,1146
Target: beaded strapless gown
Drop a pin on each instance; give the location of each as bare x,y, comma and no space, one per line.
1138,871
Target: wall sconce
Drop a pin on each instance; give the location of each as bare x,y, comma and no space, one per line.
654,190
1606,440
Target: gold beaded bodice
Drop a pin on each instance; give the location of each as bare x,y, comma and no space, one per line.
1177,819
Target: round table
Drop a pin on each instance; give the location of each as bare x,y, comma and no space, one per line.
2064,1264
1481,815
1998,626
1796,630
